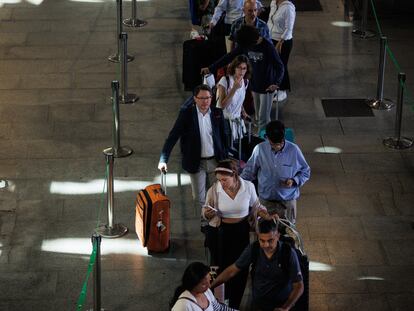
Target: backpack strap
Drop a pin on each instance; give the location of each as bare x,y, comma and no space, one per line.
255,251
194,302
284,260
228,84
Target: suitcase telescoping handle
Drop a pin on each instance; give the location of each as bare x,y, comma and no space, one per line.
164,181
291,227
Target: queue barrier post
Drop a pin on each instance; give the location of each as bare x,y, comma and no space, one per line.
116,150
362,32
381,103
126,98
111,230
134,21
399,142
116,57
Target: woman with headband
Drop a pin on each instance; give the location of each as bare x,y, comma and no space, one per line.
229,203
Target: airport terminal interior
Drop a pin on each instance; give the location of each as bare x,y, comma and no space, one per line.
355,214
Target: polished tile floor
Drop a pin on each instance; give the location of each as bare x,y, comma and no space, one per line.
355,214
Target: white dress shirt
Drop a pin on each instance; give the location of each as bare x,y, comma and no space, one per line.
206,134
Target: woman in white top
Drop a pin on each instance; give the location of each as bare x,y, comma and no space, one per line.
229,203
231,91
194,293
281,22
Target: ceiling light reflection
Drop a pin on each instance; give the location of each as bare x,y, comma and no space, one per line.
83,246
319,266
372,278
328,149
96,185
35,2
341,24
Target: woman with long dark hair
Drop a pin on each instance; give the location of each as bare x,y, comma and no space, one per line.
194,293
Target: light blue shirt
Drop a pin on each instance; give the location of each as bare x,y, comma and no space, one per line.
270,168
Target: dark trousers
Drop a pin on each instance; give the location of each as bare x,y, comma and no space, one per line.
284,56
232,239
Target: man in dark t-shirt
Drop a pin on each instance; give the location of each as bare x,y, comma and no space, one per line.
276,275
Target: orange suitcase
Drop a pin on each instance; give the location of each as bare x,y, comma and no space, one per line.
152,217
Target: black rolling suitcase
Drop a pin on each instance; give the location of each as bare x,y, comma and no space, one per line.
243,149
196,55
291,236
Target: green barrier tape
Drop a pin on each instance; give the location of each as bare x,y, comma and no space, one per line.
392,56
376,18
407,94
82,296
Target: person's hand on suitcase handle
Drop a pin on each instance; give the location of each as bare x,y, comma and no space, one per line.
205,71
162,167
271,88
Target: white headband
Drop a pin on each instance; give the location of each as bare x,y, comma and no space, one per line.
223,169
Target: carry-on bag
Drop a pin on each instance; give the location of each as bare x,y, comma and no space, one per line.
197,54
152,217
292,237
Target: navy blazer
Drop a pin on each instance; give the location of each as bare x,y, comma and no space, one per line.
186,129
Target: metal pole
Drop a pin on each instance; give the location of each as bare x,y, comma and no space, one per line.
111,230
115,58
110,190
125,97
97,273
116,150
380,102
398,142
363,33
134,21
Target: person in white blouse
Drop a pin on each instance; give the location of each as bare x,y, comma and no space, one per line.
194,293
231,91
281,22
229,203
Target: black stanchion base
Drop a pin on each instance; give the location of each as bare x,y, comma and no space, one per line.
129,98
120,152
384,104
134,22
399,144
116,231
115,58
363,34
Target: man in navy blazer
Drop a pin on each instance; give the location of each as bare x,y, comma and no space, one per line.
202,133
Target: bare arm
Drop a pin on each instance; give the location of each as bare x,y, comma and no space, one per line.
225,98
296,292
226,275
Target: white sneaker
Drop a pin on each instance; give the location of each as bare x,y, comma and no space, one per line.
280,96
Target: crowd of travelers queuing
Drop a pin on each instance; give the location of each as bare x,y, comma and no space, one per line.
237,199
